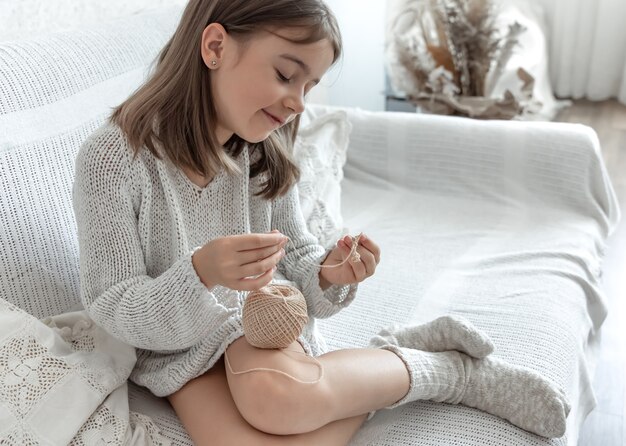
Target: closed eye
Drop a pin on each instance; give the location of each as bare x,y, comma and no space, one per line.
282,78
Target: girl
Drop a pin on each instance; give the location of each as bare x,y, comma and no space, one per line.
185,200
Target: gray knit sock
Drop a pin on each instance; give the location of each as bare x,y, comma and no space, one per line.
442,334
514,393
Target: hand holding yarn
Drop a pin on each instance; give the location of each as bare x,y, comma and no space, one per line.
343,267
274,315
240,262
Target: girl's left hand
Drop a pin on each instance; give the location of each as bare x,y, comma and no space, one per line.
351,272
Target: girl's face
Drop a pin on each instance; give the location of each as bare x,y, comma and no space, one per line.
262,87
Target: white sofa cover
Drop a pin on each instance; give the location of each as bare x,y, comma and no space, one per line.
502,222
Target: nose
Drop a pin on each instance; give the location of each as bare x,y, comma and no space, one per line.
295,102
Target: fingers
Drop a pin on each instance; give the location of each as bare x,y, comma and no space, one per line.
250,242
359,270
263,269
369,256
252,260
255,283
250,248
372,247
256,255
261,266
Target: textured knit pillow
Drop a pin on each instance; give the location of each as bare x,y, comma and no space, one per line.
320,152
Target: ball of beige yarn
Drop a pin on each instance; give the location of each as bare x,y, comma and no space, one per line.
274,316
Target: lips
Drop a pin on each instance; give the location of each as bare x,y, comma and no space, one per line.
274,118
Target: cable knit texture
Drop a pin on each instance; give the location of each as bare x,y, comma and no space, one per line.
139,222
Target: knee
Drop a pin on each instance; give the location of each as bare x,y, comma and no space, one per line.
276,405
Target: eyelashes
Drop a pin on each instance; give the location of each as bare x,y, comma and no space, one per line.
286,80
282,78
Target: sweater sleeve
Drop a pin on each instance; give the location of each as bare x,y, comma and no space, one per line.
303,256
170,312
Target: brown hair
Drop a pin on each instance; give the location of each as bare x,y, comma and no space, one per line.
174,107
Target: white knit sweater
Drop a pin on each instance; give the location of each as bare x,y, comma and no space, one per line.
139,223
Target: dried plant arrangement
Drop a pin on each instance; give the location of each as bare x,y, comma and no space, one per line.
447,56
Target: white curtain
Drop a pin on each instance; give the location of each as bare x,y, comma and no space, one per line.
588,48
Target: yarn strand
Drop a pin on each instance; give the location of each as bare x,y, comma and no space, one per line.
265,369
353,256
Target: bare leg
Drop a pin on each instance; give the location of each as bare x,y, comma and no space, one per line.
206,409
355,382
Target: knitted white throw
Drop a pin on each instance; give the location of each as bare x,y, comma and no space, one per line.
63,381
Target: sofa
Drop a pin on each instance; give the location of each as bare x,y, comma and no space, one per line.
501,222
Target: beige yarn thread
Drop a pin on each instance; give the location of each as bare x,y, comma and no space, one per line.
274,316
354,256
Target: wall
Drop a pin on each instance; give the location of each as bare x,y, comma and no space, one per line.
358,80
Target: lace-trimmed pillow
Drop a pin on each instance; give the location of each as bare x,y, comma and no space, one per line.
63,381
320,152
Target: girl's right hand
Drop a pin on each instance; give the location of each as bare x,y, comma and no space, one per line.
236,261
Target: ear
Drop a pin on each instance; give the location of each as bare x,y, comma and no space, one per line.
214,39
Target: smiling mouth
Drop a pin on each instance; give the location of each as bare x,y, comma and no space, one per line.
272,118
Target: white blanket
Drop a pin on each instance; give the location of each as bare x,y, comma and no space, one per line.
504,223
63,381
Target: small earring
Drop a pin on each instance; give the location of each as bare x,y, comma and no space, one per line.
214,63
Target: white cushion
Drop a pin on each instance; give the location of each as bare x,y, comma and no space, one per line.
63,359
320,152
